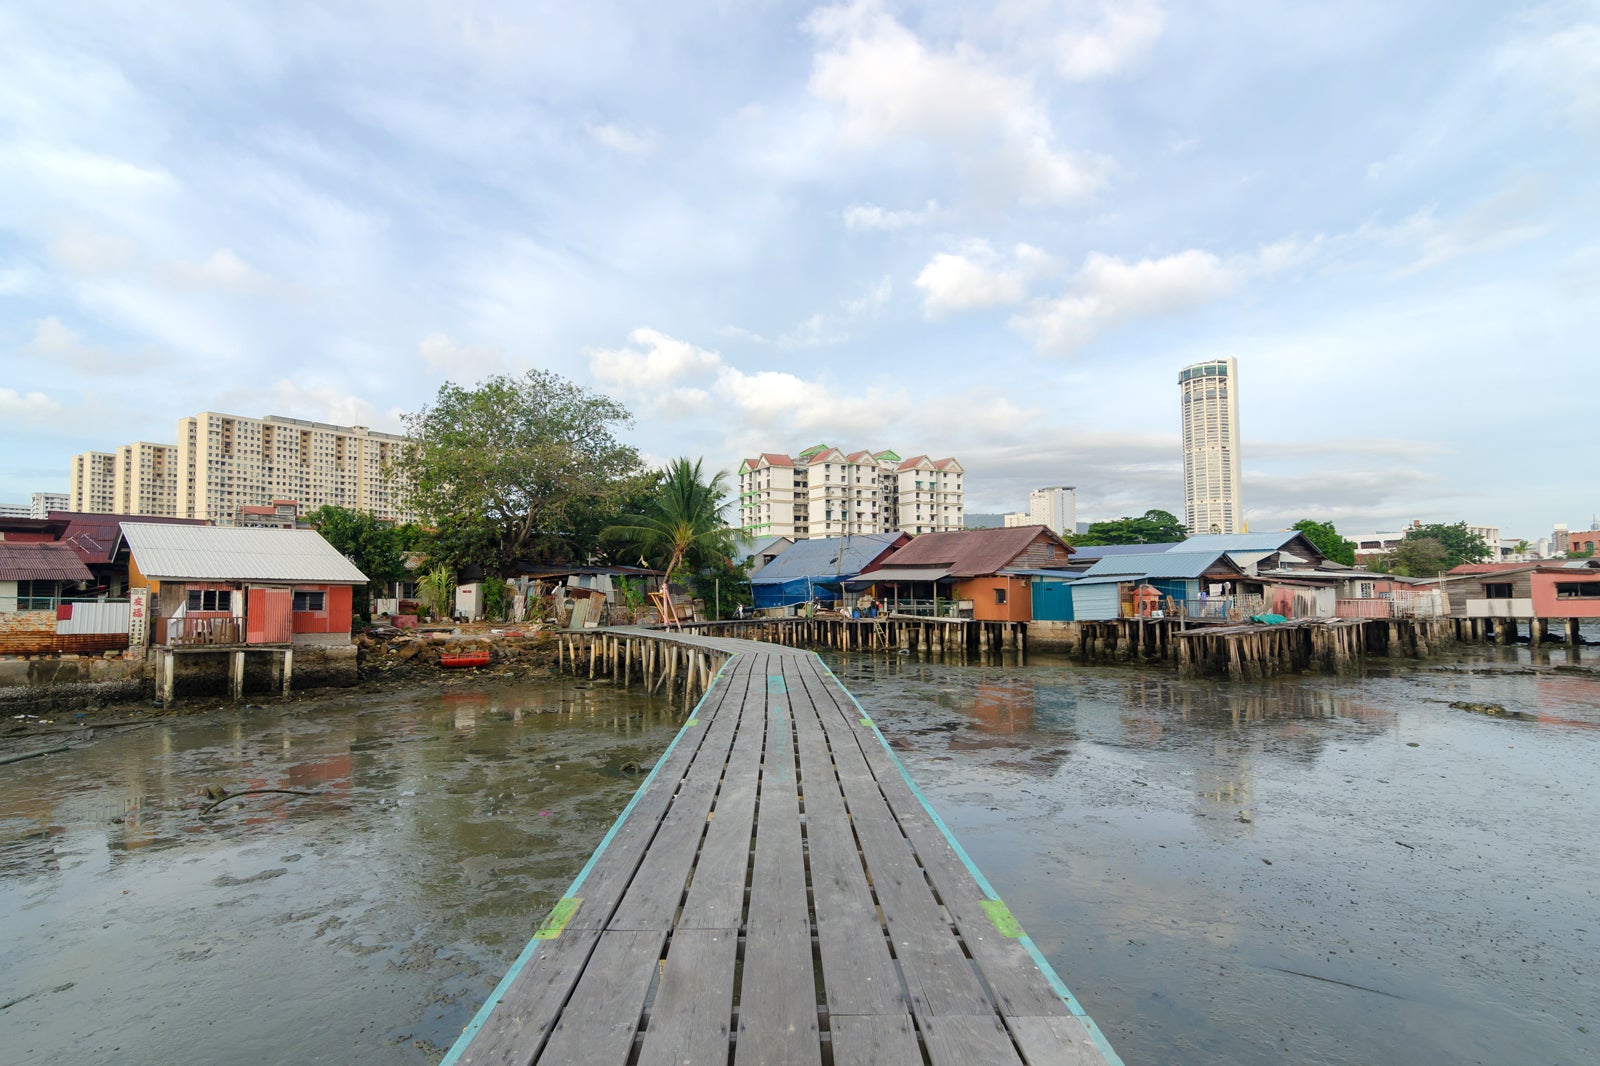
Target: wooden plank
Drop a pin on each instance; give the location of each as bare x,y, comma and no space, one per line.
516,1029
875,1040
1019,987
1055,1042
962,1040
859,974
600,1021
693,1008
653,894
716,893
937,973
777,992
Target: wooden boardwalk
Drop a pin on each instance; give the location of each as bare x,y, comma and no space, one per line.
778,892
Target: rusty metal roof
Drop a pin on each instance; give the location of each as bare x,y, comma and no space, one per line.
40,561
237,553
965,552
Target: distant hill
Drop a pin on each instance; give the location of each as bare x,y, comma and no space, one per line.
983,521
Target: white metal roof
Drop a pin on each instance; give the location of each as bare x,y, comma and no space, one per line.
223,553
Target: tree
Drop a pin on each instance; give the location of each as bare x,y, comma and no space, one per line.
377,547
1418,557
516,467
1459,544
682,523
1328,540
1154,527
438,590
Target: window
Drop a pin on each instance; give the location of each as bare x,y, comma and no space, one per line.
210,600
1497,591
1000,595
1577,590
306,600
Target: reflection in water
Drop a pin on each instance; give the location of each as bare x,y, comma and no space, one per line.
382,907
1305,869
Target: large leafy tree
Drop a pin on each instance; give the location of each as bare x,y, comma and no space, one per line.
1328,540
1153,527
516,467
682,523
1417,557
377,547
1459,544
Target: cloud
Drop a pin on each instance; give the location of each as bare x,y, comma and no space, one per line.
673,378
873,217
1121,35
446,356
26,406
829,328
621,139
1566,63
58,343
977,277
86,251
222,270
887,86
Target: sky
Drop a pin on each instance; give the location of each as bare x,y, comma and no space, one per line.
990,231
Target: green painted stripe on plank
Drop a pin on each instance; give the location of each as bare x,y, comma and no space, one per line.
1004,921
775,685
866,721
562,913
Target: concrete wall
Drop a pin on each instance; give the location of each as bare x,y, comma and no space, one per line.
29,686
1052,636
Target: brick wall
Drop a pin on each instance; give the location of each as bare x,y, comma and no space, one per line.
34,633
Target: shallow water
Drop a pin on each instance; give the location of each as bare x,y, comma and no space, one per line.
1313,870
365,923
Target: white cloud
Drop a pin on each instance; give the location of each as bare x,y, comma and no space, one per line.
26,406
85,250
977,277
888,86
825,328
224,270
1566,62
1121,35
873,217
674,378
446,356
1109,290
57,342
624,140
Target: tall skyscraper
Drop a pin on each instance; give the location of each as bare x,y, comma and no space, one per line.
1055,507
1210,398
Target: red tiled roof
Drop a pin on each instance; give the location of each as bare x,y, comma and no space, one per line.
47,561
825,455
774,459
913,462
965,552
256,508
856,457
944,464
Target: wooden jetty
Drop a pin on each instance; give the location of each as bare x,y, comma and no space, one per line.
776,892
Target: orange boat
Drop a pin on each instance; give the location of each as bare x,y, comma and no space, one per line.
464,658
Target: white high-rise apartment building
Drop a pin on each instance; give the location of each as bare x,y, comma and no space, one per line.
146,480
824,492
1055,507
225,462
40,504
1210,398
92,483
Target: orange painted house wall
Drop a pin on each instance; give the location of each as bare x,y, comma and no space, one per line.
335,614
981,591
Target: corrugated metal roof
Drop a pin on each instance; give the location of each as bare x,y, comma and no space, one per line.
94,536
217,553
968,552
906,573
820,557
1163,564
40,561
1100,551
1243,542
1110,579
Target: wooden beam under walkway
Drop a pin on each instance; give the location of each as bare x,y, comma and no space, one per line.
778,891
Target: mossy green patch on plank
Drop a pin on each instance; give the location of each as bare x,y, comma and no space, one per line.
1003,919
559,916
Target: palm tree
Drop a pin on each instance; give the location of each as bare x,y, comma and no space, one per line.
682,523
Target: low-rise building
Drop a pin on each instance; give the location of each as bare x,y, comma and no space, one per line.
972,573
